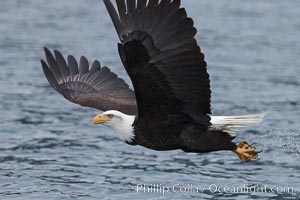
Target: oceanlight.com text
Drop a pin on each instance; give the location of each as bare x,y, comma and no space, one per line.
212,188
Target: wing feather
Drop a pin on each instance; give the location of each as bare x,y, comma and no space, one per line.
161,55
62,64
49,75
83,68
73,65
53,66
94,87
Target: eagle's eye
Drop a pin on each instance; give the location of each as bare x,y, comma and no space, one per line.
110,116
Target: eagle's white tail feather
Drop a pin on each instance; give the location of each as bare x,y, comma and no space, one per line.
231,124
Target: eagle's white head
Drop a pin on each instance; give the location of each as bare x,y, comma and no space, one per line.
121,123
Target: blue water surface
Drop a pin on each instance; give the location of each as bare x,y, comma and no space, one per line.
50,150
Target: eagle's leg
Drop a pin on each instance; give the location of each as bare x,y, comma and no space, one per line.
245,152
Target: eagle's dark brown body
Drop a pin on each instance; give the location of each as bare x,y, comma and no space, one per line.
185,135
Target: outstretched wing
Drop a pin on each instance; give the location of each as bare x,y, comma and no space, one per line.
160,54
96,87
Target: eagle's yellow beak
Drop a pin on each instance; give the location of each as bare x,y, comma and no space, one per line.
100,119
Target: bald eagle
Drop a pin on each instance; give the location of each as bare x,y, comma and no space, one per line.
170,106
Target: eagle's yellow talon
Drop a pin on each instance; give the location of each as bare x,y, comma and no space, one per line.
245,152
